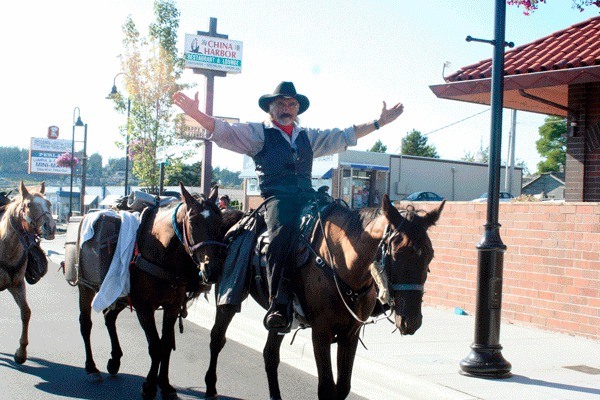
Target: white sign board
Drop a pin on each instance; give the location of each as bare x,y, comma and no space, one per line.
192,130
207,52
43,154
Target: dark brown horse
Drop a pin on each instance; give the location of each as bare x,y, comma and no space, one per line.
22,222
174,243
338,294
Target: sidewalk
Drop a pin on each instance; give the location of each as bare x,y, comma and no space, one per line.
545,365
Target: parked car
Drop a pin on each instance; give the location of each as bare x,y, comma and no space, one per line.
503,197
423,196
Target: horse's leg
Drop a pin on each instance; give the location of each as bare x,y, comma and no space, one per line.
18,293
322,351
223,318
345,361
110,320
148,323
272,358
86,295
170,314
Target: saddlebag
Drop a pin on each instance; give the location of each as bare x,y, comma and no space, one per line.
37,264
97,253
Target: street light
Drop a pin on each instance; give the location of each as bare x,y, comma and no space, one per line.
76,123
111,96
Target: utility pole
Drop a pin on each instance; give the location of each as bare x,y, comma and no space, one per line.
206,173
510,160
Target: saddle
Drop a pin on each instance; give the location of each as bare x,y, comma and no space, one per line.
247,243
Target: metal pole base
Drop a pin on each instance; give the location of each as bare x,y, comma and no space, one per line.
486,362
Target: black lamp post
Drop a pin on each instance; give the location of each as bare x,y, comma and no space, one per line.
111,95
76,123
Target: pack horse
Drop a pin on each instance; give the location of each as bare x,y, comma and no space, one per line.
23,221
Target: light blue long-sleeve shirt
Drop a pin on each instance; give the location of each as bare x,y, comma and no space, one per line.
249,138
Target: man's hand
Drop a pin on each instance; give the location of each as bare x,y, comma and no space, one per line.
389,115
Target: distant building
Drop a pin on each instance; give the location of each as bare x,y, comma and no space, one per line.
551,185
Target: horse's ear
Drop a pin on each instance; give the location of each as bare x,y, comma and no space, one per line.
42,187
391,213
187,197
23,190
214,193
432,216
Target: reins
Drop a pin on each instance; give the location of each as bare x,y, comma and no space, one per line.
190,247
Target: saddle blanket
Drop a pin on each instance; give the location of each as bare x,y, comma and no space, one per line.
116,283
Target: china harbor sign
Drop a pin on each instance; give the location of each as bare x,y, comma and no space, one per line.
214,53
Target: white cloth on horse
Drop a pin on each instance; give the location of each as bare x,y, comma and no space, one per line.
116,283
87,225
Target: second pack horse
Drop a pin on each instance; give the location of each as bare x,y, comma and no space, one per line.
173,243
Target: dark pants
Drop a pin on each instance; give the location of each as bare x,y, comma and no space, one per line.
282,217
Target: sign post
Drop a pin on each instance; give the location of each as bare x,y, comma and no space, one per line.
211,54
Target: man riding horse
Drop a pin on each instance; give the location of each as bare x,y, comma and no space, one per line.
283,153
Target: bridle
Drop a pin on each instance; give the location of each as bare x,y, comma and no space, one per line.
384,255
32,223
188,243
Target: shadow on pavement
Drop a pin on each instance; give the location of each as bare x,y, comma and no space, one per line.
68,381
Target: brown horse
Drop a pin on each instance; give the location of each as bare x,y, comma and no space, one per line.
174,243
336,289
22,222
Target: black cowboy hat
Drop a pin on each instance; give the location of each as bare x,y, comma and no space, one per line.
284,89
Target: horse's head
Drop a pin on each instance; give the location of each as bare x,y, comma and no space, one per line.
202,227
407,254
36,212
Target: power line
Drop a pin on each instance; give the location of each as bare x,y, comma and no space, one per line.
457,122
449,125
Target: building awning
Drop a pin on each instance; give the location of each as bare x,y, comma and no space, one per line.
89,199
109,200
328,174
366,166
541,92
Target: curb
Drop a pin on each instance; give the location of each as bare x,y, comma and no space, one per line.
369,378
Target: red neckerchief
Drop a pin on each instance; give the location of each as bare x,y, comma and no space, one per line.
288,129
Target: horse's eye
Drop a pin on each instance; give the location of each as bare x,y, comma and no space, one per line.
28,205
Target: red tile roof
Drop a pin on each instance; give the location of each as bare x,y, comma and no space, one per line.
576,46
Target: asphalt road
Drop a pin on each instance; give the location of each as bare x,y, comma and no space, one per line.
55,366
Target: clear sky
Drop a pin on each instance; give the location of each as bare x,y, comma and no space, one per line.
346,56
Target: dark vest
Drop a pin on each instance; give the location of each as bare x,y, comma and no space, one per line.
281,168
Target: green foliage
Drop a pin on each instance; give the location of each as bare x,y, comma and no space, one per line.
552,144
151,67
379,147
94,170
415,144
480,156
14,160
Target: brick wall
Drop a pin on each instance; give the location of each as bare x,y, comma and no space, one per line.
551,265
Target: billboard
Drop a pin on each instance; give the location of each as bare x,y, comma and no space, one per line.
207,52
43,154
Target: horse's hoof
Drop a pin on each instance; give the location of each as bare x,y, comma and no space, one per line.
148,391
113,367
20,357
94,377
168,393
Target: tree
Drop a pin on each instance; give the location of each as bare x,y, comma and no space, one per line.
480,156
379,147
151,68
94,170
14,160
532,5
552,144
415,144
